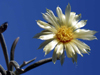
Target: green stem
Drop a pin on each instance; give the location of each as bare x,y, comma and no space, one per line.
4,48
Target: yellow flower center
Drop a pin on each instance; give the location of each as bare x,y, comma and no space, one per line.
64,34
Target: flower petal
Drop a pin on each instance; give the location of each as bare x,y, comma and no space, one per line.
41,33
90,37
81,46
62,58
47,37
74,58
84,31
50,46
77,17
69,50
74,20
45,31
49,18
71,19
67,13
86,37
50,12
61,16
46,26
85,34
60,49
80,24
44,43
76,49
54,57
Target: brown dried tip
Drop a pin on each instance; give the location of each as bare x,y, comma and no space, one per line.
3,27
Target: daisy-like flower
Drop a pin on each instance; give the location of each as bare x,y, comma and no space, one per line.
62,33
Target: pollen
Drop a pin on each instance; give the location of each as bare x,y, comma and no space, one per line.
64,34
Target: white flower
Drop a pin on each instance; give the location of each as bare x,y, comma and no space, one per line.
62,33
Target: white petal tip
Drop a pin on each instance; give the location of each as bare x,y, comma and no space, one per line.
18,37
80,15
54,62
47,9
58,7
81,55
95,32
36,20
88,53
96,38
45,54
68,4
85,20
42,13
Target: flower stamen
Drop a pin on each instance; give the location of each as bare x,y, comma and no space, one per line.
64,34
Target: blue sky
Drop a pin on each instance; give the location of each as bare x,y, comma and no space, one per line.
21,16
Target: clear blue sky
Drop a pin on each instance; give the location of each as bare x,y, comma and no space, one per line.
21,16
